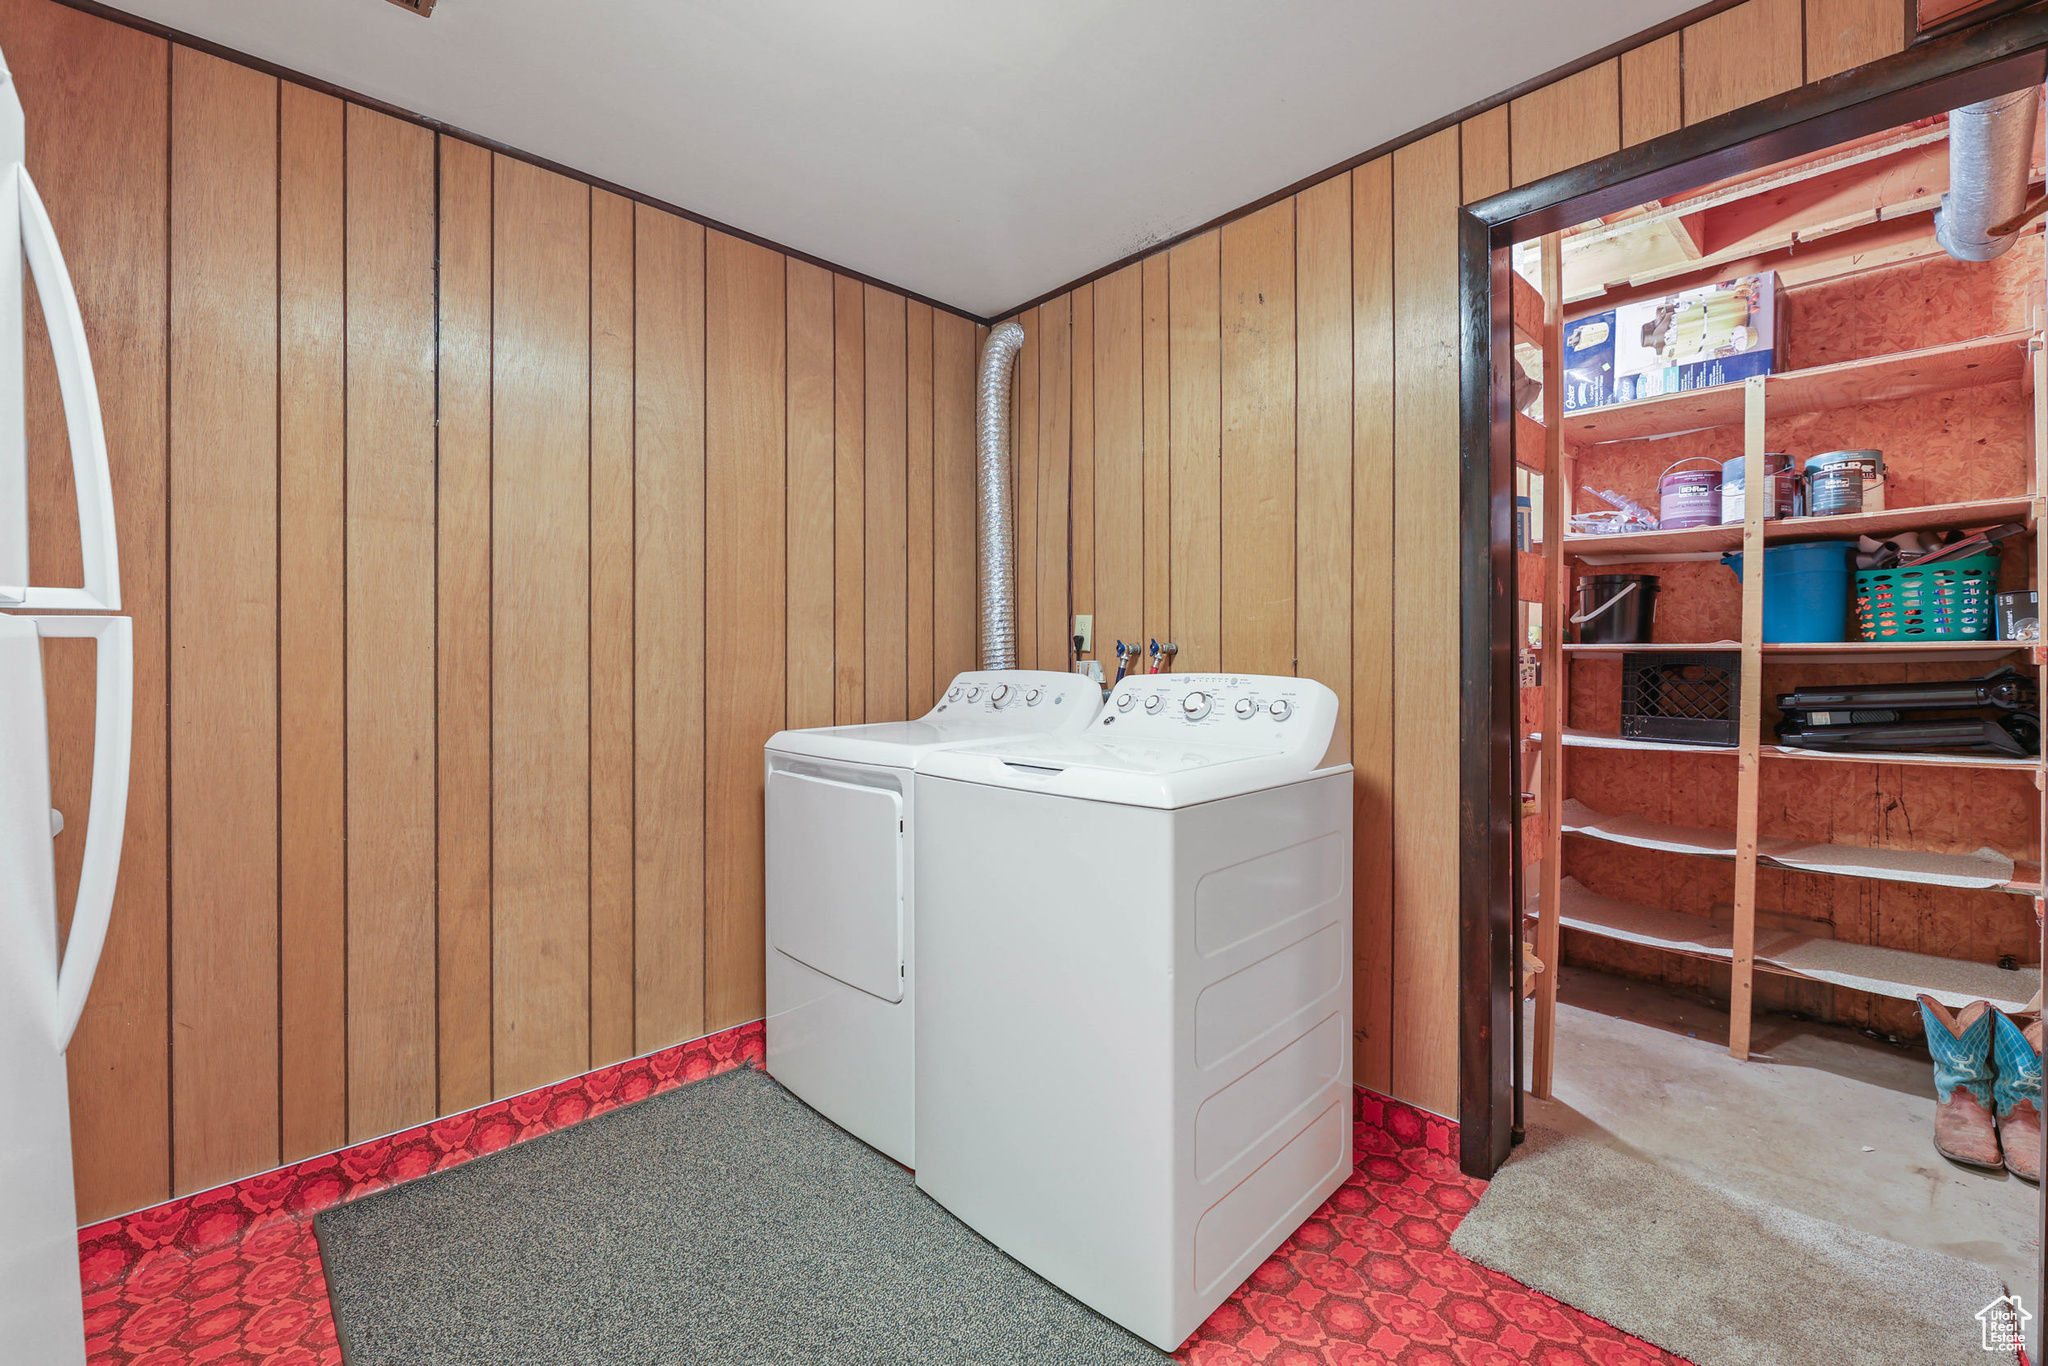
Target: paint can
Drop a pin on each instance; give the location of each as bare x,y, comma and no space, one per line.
1839,483
1781,488
1689,498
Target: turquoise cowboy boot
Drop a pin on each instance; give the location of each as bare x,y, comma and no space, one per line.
2016,1094
1961,1044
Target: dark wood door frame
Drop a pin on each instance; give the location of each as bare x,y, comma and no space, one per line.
1928,78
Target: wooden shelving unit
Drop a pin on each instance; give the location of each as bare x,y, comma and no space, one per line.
1553,447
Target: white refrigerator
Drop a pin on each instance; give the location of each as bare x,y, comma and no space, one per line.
42,986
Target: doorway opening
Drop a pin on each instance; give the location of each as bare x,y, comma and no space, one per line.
1729,921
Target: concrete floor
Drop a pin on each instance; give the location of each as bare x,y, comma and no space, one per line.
1822,1120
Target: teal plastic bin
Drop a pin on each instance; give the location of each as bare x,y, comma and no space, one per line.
1806,590
1948,600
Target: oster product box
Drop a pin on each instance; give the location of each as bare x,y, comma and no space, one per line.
1717,334
1589,362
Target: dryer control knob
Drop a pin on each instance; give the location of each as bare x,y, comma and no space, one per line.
999,694
1031,698
1246,708
1195,706
1282,709
1125,702
1154,703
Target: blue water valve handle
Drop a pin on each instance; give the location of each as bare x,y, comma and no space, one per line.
1122,660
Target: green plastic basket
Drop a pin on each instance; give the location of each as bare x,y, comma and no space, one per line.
1949,600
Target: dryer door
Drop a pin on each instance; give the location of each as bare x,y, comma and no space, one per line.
835,878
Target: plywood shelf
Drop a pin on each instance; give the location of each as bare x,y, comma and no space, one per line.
1531,452
1845,651
1983,872
1861,967
1997,359
1992,761
1594,739
1728,535
1528,311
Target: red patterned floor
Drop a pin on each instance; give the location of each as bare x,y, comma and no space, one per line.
232,1276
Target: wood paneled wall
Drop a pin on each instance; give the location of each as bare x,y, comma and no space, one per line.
1248,443
478,526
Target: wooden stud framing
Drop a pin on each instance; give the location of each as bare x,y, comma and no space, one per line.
1742,973
1556,588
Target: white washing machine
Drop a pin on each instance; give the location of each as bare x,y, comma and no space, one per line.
841,835
1134,1020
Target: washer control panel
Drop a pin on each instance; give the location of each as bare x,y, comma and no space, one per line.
1244,709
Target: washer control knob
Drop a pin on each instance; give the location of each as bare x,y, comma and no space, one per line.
1282,709
1031,697
1154,703
953,696
973,693
999,694
1125,701
1246,708
1195,706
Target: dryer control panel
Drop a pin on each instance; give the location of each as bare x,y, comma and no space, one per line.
1262,710
1019,694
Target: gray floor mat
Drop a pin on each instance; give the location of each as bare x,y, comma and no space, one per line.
1719,1278
723,1222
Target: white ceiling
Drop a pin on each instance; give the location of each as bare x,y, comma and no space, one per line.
977,153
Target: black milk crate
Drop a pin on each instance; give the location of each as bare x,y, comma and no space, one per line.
1690,699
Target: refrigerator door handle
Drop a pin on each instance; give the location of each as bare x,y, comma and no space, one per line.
89,471
107,818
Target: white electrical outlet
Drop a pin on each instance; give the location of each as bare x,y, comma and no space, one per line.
1084,629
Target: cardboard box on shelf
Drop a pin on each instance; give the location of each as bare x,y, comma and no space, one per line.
2018,615
1589,362
1698,338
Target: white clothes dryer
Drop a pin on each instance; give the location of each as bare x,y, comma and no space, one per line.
841,835
1134,1024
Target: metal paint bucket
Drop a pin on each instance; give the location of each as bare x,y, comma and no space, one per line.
1837,481
1689,498
1781,488
1616,609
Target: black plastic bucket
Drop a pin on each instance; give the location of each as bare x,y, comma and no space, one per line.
1616,609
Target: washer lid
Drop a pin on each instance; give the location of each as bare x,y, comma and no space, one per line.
1168,740
975,708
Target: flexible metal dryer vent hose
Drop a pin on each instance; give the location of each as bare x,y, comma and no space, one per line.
998,576
1990,144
